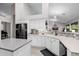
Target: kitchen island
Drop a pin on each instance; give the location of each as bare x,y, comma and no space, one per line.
15,47
55,44
70,43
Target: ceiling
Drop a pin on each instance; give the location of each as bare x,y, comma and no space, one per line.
35,8
65,12
5,9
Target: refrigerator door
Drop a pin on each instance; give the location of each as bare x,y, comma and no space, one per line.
21,31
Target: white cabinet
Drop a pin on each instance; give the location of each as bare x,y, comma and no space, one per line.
54,46
42,41
34,40
48,43
37,41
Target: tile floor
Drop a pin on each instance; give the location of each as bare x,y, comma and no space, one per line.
36,51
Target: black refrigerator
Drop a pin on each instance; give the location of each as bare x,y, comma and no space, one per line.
21,31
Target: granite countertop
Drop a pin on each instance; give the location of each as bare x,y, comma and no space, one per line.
13,44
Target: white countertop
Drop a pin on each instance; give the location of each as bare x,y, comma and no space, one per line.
70,43
13,44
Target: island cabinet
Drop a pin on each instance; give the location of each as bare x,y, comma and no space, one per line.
51,43
55,46
37,40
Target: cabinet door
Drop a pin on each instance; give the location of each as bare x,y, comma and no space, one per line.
48,44
52,45
55,46
34,40
43,41
39,41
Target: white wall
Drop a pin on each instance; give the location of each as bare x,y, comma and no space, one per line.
6,27
21,12
37,24
4,19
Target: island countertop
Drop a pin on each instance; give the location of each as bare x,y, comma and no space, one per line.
12,44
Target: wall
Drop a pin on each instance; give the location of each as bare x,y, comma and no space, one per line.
4,20
22,15
6,27
38,24
21,12
7,20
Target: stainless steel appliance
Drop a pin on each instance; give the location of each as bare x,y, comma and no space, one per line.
21,31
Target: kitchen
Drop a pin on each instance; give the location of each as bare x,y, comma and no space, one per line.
51,28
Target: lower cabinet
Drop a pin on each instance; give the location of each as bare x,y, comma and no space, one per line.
48,43
55,46
37,41
52,44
